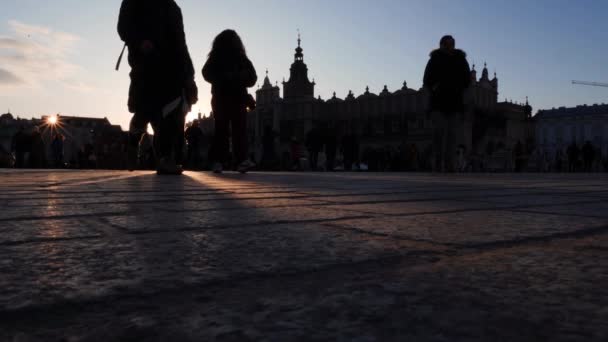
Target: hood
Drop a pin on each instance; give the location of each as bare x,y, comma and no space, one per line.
457,52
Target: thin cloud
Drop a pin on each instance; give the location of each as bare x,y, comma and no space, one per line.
8,78
36,55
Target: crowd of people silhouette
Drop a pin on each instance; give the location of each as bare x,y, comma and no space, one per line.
163,90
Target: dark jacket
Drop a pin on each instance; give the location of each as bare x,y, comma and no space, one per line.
447,76
230,77
158,76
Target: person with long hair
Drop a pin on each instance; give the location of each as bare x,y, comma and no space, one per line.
230,73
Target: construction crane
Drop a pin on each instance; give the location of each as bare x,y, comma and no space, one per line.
593,84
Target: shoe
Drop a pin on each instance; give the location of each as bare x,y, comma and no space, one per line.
245,166
217,168
169,168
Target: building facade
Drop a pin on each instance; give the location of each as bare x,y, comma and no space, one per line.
556,129
87,142
390,119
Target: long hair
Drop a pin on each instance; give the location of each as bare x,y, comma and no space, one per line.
227,44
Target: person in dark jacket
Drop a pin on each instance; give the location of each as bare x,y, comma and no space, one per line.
194,137
268,149
162,77
230,73
447,76
37,158
573,156
350,150
314,144
19,146
331,148
588,156
57,149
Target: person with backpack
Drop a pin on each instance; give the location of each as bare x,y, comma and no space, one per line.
230,73
162,78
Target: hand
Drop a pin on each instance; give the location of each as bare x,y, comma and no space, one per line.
147,46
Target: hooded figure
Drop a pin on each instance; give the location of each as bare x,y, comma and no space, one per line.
447,76
162,76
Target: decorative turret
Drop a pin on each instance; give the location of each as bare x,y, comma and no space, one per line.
528,109
494,81
385,91
350,95
474,74
267,93
299,86
484,74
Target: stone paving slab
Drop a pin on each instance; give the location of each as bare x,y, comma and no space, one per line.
474,227
103,256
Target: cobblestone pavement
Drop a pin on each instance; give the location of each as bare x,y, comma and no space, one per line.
101,256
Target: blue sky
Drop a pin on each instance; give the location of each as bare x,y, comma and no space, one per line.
58,56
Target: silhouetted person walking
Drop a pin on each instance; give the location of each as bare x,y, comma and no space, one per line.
314,144
331,148
162,78
573,156
57,149
588,156
230,73
518,153
37,158
447,76
268,149
19,147
350,150
194,136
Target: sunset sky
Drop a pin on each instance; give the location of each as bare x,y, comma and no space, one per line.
58,56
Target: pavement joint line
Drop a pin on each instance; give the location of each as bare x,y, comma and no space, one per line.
534,240
50,240
238,226
64,217
559,214
515,208
386,235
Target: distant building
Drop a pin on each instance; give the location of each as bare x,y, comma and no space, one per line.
556,129
394,119
104,143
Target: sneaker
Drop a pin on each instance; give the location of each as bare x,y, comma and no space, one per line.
245,166
168,167
217,168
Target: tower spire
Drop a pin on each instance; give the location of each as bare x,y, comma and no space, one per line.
299,57
299,38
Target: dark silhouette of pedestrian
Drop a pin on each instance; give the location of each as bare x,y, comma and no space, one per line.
19,147
57,149
573,157
230,73
350,150
447,76
331,148
314,144
518,153
268,148
162,78
588,156
194,137
295,154
37,154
